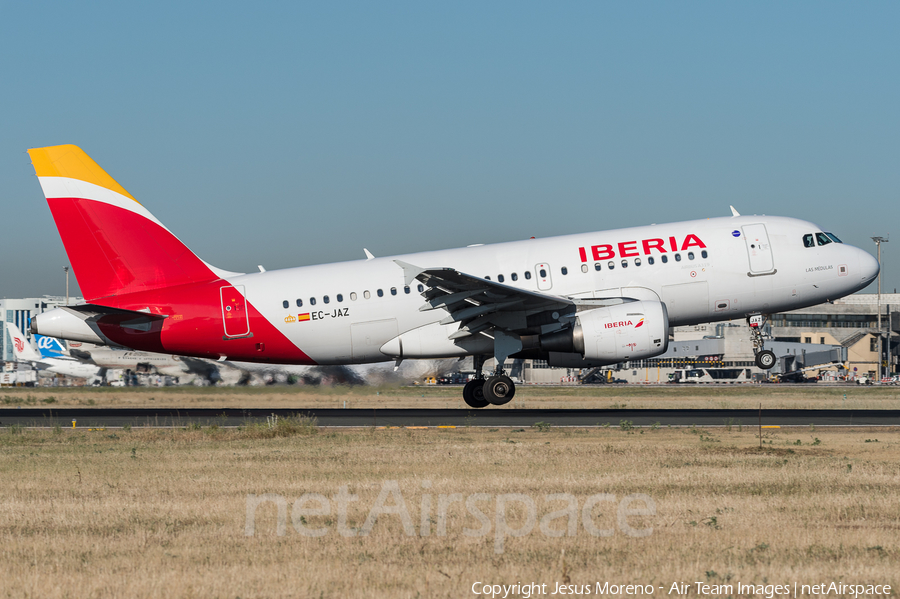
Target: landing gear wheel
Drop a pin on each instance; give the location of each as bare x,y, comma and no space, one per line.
473,394
499,390
765,359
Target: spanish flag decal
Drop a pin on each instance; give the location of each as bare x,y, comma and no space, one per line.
303,317
639,324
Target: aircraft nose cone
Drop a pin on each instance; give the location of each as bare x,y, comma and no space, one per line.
868,266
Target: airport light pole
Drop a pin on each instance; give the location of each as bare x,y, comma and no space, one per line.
66,270
878,241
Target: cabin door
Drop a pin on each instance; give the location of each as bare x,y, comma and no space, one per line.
758,249
234,312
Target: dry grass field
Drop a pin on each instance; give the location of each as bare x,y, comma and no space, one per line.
153,513
611,396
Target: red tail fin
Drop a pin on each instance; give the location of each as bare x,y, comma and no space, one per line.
114,244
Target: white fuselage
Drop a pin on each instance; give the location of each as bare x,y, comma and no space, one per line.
704,270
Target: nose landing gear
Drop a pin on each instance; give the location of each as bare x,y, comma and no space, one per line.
765,359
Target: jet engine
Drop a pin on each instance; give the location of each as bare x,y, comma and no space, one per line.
630,331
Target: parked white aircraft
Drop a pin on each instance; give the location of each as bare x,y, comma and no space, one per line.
59,365
576,300
184,368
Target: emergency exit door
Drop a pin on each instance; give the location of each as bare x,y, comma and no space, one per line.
758,249
542,274
234,311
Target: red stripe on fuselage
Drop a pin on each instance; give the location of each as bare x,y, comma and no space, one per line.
194,327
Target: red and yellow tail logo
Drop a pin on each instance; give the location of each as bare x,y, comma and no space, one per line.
639,324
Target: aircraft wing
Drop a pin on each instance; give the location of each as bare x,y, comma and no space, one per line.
478,304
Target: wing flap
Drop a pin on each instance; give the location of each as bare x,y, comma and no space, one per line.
479,305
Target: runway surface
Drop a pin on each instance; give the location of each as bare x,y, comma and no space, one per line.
150,417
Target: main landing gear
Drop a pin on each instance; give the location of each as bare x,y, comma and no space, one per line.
496,390
765,359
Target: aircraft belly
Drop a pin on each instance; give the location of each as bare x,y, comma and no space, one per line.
687,303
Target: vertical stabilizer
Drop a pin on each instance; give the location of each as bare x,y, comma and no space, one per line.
114,244
23,350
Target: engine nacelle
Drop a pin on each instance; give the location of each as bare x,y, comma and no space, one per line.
630,331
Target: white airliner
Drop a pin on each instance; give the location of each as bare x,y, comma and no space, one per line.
576,300
184,368
58,365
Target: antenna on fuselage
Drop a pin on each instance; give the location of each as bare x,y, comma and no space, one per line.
734,212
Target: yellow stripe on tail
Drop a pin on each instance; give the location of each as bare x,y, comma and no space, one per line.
71,161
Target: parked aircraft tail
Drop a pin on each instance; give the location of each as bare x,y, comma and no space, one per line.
114,244
50,347
21,347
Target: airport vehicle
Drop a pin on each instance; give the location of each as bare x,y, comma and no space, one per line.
700,374
587,299
24,352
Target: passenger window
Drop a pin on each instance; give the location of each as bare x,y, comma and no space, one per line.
833,237
299,303
677,257
353,296
822,239
326,299
543,273
611,265
487,278
809,241
596,266
340,298
406,290
564,270
500,278
420,288
624,263
637,261
527,274
380,293
690,255
514,277
393,291
704,254
312,301
366,294
650,260
664,258
584,268
285,303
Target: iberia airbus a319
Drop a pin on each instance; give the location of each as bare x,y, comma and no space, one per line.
575,300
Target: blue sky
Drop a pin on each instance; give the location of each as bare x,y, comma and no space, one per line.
299,133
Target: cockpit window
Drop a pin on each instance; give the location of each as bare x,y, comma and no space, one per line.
833,237
809,241
822,239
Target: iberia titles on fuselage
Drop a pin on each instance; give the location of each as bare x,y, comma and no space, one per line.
550,298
